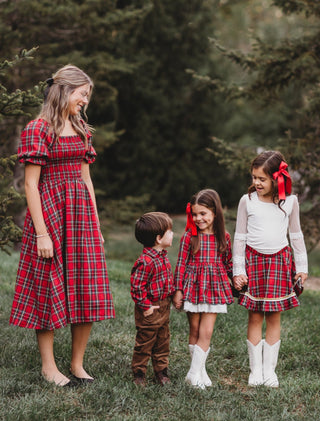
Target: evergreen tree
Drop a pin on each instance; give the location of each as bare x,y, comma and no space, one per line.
284,74
13,105
83,33
168,119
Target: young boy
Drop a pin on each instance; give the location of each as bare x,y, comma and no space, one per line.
151,289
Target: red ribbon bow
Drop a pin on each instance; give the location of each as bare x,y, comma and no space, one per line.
190,222
283,186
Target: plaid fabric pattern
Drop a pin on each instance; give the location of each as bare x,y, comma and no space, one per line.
73,286
151,278
269,281
203,277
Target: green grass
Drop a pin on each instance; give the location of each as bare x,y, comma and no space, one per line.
314,262
113,396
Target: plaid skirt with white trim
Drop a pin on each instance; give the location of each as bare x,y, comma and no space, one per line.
269,281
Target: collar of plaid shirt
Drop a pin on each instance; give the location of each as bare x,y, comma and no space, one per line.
153,252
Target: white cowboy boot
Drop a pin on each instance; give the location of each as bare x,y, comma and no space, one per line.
255,362
191,347
270,359
205,378
194,375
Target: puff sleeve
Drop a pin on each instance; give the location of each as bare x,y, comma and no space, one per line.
34,143
90,155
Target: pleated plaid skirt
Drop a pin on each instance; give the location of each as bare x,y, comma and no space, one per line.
73,286
269,281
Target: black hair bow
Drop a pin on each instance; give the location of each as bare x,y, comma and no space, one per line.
46,91
50,81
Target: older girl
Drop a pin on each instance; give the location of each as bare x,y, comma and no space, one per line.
262,260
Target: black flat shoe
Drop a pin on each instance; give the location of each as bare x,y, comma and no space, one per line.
81,380
70,384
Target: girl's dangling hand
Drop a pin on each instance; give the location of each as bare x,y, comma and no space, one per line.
240,281
303,276
178,299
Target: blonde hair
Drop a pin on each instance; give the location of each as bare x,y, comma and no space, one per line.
55,109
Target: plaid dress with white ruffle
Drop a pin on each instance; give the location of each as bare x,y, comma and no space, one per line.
73,286
204,277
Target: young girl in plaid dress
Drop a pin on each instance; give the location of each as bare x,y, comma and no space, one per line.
262,260
62,275
201,277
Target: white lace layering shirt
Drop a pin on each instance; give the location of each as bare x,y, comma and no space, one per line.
264,227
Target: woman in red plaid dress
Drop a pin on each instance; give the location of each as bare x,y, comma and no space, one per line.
262,260
62,275
201,277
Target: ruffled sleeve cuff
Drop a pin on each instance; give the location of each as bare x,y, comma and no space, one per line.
90,155
239,266
301,261
299,251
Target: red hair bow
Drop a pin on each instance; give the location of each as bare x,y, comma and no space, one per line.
190,222
284,186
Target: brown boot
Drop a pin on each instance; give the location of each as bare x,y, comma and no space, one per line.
162,377
139,378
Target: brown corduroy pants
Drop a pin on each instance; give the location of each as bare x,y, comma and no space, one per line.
152,338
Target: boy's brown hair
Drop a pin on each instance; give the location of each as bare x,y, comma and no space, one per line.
150,225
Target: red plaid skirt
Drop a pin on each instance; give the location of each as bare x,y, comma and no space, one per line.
73,286
269,281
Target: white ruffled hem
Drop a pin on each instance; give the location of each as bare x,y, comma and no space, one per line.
204,308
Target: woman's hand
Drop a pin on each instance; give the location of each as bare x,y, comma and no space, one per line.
178,299
45,247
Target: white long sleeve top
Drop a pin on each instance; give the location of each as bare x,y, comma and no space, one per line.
264,227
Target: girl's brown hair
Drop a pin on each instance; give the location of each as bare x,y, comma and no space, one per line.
270,162
55,109
211,200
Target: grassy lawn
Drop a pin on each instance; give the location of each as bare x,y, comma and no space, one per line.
113,396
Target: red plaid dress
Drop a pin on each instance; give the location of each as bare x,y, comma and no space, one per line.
203,277
73,286
269,281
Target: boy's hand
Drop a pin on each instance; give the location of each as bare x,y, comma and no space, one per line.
150,310
177,299
240,281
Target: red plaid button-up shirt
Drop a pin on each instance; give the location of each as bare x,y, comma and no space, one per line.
151,278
